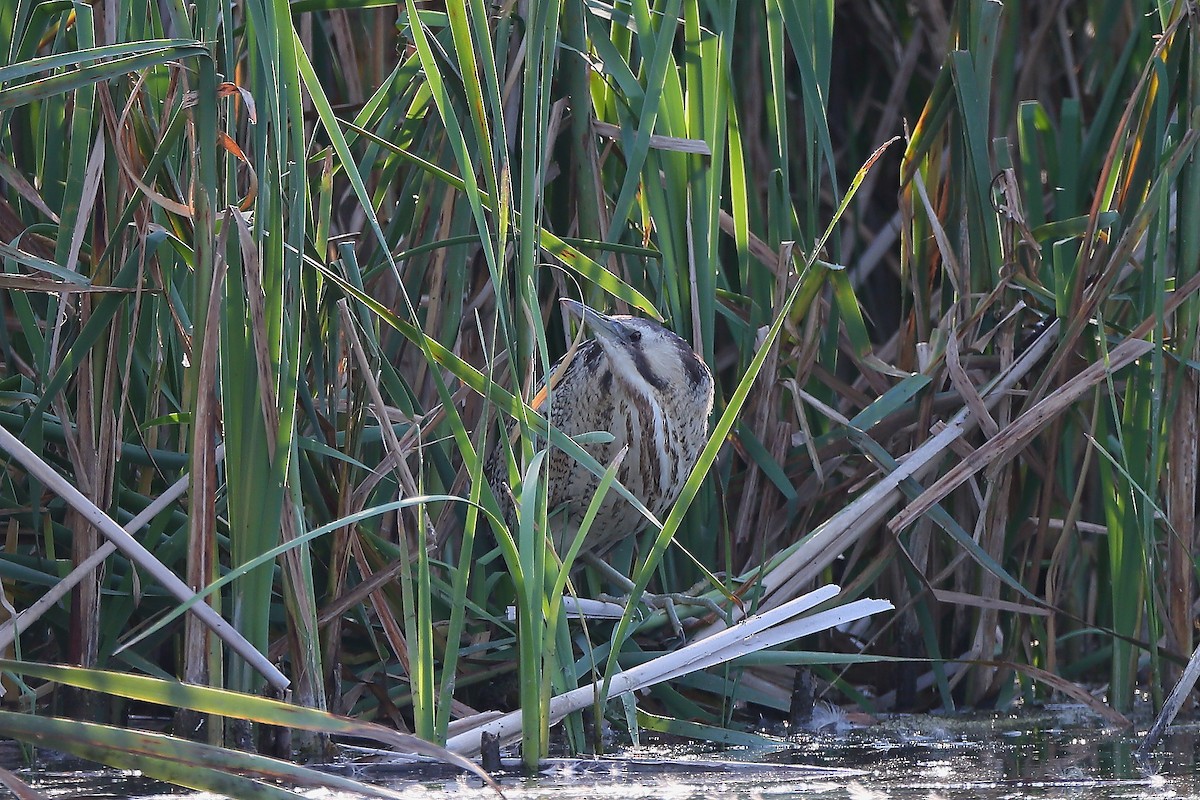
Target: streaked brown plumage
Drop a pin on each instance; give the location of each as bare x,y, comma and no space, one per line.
644,385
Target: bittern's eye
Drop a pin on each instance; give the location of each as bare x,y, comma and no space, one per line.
635,336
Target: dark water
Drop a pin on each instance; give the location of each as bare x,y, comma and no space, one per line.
1058,754
1054,753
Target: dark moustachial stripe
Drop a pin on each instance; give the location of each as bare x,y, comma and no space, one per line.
591,351
643,367
586,358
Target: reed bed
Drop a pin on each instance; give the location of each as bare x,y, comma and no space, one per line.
275,273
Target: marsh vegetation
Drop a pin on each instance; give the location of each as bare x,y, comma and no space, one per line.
275,273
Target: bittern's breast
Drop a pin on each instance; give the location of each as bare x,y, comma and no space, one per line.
664,441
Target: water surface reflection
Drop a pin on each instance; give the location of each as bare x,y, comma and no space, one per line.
1058,752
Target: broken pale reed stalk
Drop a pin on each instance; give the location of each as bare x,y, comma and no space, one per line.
138,554
753,634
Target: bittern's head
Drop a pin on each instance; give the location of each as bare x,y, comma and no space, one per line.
646,357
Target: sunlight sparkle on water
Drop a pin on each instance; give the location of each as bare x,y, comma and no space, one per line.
1059,752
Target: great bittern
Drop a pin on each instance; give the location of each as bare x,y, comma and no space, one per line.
647,387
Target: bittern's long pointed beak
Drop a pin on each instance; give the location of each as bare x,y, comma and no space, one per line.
601,324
